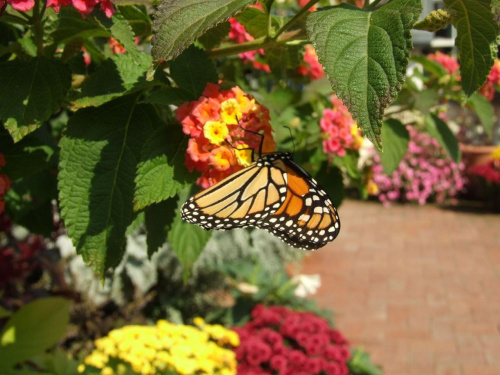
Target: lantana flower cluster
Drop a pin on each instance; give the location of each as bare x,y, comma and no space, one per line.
311,67
449,63
340,131
493,81
281,341
489,171
82,6
426,172
4,184
165,348
222,126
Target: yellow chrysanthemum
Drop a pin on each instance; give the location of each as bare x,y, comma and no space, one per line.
215,131
496,153
230,111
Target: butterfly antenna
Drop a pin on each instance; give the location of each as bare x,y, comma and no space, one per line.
256,133
293,142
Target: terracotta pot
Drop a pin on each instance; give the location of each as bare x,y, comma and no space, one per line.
475,155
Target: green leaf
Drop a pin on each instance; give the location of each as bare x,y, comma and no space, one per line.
396,138
477,39
159,219
161,172
117,76
330,178
484,111
365,54
167,96
187,240
29,202
25,157
280,58
138,18
33,329
214,36
440,130
192,70
425,99
4,313
30,92
255,22
98,163
178,23
434,21
430,65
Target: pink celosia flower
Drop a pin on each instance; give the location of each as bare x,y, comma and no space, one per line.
219,145
290,342
340,131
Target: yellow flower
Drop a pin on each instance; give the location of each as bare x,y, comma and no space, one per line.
244,155
107,371
371,187
496,153
215,131
230,111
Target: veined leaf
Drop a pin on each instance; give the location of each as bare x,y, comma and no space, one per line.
187,240
484,111
117,76
161,172
33,329
178,23
98,162
440,130
159,219
365,54
192,70
30,92
396,137
477,40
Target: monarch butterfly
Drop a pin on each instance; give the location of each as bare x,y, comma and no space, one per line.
273,193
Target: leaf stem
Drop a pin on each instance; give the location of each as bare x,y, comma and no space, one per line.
371,5
304,10
256,44
38,11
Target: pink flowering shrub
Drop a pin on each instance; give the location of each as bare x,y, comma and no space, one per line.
426,172
449,63
215,123
340,131
281,341
4,184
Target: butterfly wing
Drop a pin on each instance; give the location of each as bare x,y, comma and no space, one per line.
307,218
240,200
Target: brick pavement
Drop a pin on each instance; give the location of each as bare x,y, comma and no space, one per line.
417,287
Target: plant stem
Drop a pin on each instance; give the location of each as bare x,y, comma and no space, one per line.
371,5
38,11
256,44
295,18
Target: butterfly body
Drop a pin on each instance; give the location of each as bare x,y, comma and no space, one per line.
273,193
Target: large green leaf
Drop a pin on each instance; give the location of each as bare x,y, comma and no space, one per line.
484,111
161,172
330,177
178,23
187,240
98,163
477,40
159,219
192,70
440,130
25,157
365,54
396,138
120,74
30,92
33,329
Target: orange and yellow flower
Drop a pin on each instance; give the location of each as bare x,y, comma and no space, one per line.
222,126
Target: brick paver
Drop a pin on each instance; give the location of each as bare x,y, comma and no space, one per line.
417,286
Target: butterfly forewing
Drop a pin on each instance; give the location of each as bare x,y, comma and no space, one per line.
240,200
